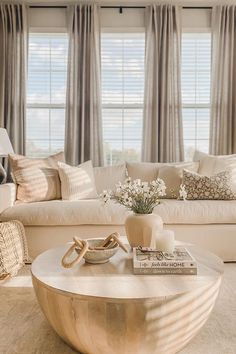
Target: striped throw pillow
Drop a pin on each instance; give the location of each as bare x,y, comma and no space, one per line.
77,182
37,184
37,178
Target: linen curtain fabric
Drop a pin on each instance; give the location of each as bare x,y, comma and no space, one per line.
163,131
13,59
83,138
223,95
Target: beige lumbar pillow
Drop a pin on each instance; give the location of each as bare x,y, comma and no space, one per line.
217,187
77,182
172,175
37,184
37,178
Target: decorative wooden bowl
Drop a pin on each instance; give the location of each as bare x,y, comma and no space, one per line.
98,256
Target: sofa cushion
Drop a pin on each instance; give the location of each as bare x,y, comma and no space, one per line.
146,171
211,164
77,182
20,162
37,184
86,212
37,178
107,177
215,187
172,175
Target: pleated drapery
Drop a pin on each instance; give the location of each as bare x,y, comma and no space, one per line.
83,138
163,130
13,64
223,86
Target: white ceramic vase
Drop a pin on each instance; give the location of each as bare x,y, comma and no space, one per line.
141,229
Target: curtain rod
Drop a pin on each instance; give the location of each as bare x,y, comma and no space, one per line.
114,7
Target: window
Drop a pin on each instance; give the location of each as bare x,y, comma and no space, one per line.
122,95
46,93
196,68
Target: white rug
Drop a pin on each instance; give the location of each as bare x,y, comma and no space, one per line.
24,330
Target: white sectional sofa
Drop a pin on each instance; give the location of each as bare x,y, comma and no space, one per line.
209,224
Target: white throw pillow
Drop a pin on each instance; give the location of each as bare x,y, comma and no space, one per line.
212,164
146,171
107,177
77,182
172,175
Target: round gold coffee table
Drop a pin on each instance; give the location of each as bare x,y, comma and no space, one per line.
105,309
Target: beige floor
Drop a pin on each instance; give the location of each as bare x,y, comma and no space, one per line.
24,330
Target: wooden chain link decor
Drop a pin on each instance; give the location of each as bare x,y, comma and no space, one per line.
82,247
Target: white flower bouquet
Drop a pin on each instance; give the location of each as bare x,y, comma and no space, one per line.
140,197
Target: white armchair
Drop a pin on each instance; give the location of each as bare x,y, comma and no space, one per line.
7,196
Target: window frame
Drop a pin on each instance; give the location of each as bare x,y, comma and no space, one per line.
122,106
50,106
196,106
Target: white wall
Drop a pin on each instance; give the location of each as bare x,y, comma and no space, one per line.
45,19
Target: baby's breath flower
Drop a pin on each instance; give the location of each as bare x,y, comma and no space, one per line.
140,197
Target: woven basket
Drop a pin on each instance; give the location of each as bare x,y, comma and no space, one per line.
13,248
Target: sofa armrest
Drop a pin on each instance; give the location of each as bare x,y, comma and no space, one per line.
7,196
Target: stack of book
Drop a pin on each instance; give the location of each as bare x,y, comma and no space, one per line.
151,261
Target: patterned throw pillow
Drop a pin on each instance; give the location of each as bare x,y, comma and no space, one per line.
37,178
216,187
13,248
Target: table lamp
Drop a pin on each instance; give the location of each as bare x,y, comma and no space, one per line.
5,149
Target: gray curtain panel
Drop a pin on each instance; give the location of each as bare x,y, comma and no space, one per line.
83,140
223,95
163,130
13,60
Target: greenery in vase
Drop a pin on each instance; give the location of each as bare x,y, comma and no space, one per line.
140,197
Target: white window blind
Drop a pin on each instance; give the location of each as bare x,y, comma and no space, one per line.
122,95
196,69
46,93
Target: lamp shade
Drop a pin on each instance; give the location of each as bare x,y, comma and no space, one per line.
5,144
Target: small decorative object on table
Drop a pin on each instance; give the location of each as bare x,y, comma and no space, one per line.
141,198
151,261
94,250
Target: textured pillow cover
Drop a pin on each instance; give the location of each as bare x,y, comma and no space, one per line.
146,171
20,162
77,182
107,177
172,175
37,184
13,248
217,187
212,164
37,178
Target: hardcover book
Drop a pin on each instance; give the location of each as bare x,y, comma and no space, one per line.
167,271
144,257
